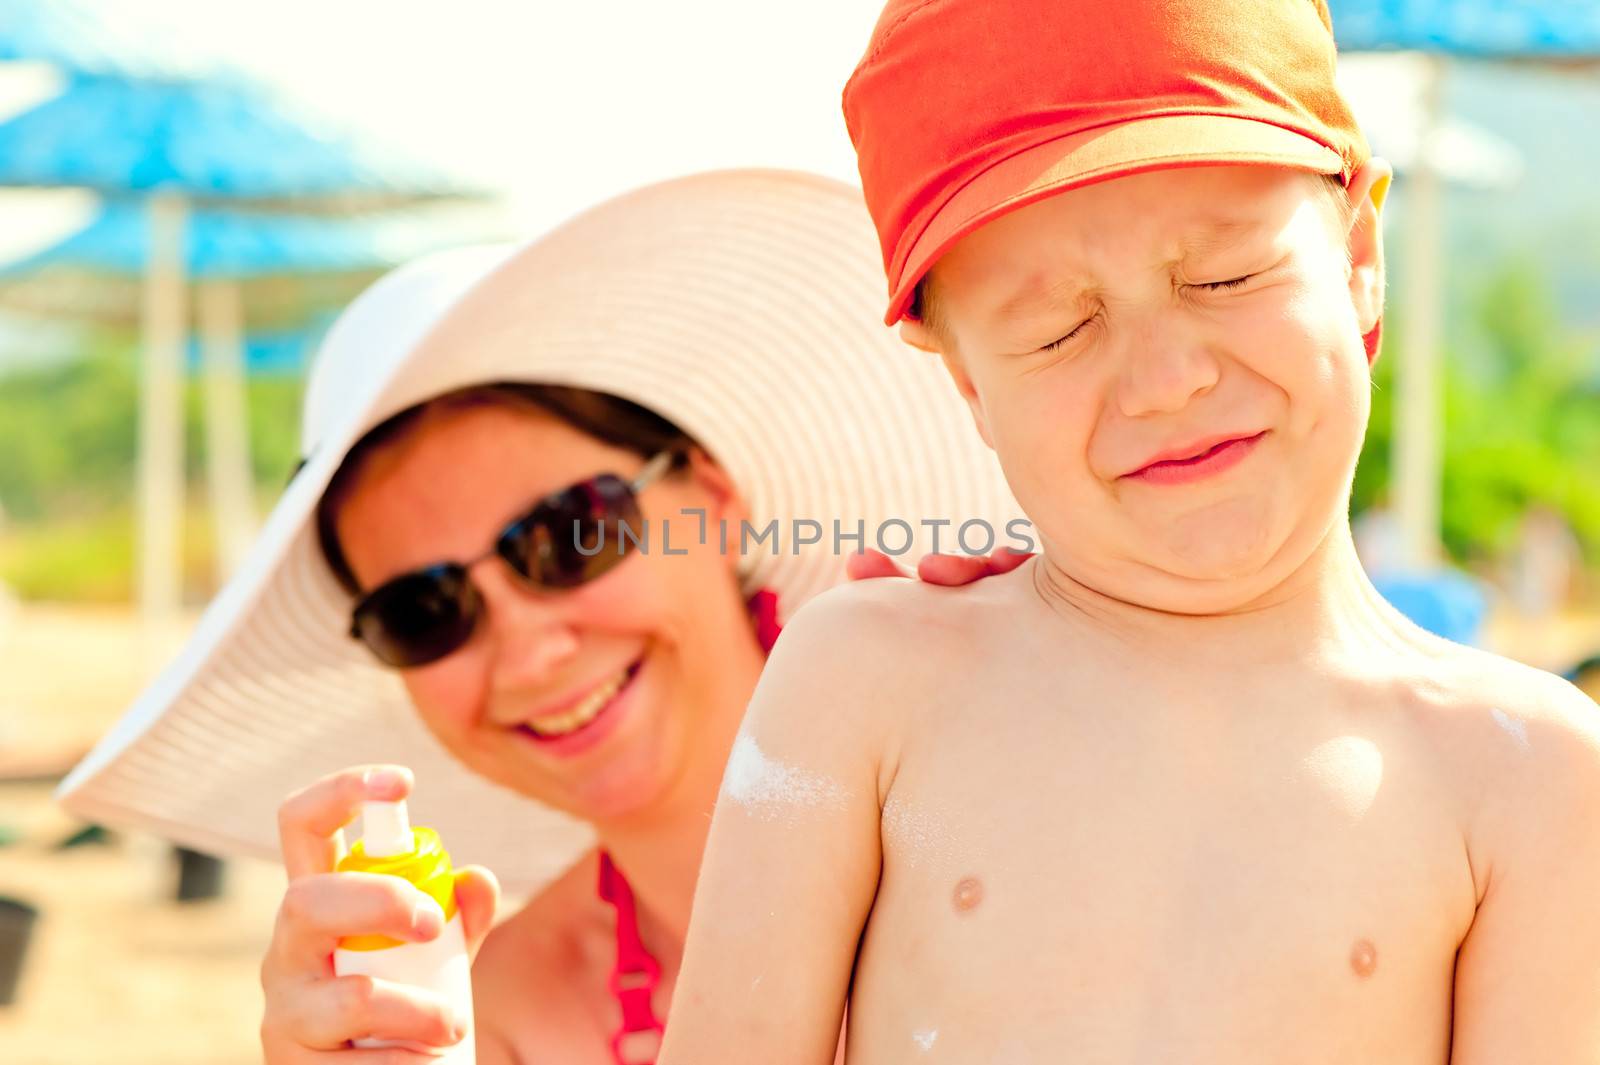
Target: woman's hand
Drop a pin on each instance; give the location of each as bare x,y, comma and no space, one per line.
312,1014
937,569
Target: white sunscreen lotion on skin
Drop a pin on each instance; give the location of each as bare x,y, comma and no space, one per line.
389,845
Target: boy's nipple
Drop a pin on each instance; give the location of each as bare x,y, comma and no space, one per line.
1363,958
967,895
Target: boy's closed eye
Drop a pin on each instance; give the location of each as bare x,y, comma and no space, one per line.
1210,286
1232,282
1071,335
1237,275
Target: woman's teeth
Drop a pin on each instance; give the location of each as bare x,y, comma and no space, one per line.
584,712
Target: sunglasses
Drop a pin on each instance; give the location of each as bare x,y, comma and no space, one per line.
562,542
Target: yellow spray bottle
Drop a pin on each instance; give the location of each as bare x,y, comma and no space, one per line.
389,845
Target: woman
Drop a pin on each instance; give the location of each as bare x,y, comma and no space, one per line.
696,356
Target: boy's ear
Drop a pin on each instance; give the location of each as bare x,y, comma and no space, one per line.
920,336
1368,189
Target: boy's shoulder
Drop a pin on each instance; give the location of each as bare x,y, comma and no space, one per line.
855,671
889,618
1521,740
887,645
1465,685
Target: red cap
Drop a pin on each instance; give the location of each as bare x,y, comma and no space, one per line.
963,110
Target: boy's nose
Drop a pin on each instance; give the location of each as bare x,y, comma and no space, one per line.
1163,374
531,632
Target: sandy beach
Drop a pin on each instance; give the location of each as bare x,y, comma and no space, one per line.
118,971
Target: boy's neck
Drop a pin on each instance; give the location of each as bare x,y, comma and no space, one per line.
1326,608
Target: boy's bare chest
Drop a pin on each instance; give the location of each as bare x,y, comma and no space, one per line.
1133,877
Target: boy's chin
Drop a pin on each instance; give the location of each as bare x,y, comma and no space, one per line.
1174,586
1214,598
1246,585
1222,557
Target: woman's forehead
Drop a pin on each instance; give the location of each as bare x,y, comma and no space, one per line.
452,477
484,433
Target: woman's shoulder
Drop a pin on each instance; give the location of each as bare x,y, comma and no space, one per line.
539,970
554,928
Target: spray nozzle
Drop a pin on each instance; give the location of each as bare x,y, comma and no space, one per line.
386,829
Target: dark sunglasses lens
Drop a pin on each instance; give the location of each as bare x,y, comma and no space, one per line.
575,535
418,618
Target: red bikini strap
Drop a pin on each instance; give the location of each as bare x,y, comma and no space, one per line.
636,974
764,609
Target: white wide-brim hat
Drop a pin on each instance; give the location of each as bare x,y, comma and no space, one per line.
741,305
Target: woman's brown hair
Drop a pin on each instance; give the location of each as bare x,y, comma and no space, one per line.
611,419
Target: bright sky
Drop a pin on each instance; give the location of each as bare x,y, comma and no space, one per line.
564,103
561,103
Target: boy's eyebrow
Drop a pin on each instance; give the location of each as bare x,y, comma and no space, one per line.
1216,234
1039,292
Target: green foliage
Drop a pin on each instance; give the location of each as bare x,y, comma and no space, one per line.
1522,427
68,437
78,559
90,558
67,433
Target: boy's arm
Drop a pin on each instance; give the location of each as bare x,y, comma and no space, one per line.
792,864
1527,985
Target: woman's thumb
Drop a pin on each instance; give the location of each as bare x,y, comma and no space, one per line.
477,896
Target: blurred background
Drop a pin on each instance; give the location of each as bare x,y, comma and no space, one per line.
190,192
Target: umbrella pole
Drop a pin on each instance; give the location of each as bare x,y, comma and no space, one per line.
1419,415
160,458
229,479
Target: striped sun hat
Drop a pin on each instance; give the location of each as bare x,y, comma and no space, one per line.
741,305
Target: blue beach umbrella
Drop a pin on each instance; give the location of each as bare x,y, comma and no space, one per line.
225,243
72,36
1551,32
251,272
213,140
1545,30
125,125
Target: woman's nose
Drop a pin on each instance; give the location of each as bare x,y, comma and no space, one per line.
531,632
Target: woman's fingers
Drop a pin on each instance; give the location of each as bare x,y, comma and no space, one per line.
948,570
317,911
275,1051
375,1056
309,820
954,570
327,1014
312,1015
865,565
1005,560
477,896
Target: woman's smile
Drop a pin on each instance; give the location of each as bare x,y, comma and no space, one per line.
586,720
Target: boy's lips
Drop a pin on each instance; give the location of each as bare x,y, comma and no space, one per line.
1193,461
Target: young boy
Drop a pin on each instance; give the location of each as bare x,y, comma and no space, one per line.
1182,788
